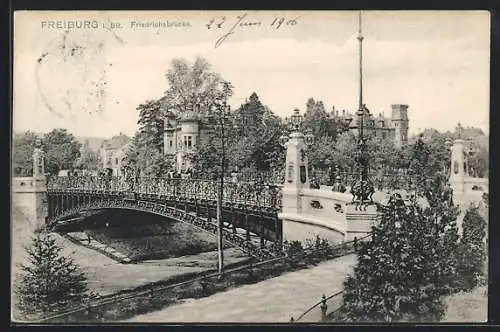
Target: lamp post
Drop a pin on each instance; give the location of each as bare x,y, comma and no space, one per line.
294,123
362,189
224,112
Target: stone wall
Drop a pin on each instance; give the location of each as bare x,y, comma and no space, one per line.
29,196
327,214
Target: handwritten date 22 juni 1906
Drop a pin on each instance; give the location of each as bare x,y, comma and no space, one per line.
243,22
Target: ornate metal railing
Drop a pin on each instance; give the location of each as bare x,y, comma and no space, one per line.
170,212
274,177
247,193
381,181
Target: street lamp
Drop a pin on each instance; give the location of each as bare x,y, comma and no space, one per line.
294,123
224,114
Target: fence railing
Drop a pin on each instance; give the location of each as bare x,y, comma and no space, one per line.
323,306
247,193
199,277
346,248
386,180
275,177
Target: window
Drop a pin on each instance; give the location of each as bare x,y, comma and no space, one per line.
190,142
171,143
116,161
384,134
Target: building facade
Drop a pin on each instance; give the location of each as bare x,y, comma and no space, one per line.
113,151
394,128
183,134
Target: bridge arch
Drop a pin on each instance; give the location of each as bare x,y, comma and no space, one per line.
171,213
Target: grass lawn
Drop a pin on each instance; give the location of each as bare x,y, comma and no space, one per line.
155,240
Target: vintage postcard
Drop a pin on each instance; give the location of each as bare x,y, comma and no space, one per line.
250,166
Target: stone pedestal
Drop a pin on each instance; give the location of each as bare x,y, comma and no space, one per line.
296,176
29,195
360,221
296,173
457,174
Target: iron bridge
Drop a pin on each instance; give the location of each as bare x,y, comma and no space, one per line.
250,207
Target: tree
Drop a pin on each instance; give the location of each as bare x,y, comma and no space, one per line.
89,159
473,252
395,278
345,151
143,159
251,140
151,124
318,120
194,84
319,155
22,153
62,150
50,281
443,213
411,262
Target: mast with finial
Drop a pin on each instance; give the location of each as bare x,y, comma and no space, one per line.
360,39
362,188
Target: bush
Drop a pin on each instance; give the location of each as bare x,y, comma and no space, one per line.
294,251
50,281
473,250
401,273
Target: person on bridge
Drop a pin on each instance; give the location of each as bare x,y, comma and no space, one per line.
338,186
314,184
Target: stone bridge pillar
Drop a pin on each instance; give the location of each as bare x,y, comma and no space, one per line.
457,174
296,173
29,194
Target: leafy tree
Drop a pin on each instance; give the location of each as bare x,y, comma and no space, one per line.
49,281
345,151
383,153
251,140
62,150
473,252
411,262
194,84
395,278
316,118
22,153
89,159
151,124
479,163
144,160
443,213
320,153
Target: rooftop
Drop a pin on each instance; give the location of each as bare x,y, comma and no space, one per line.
115,142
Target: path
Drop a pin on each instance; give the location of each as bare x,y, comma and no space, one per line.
273,300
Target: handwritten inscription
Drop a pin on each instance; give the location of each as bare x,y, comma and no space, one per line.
243,21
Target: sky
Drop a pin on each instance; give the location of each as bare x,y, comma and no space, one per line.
91,79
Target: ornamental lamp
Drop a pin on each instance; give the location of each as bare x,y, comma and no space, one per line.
348,120
283,139
309,137
296,119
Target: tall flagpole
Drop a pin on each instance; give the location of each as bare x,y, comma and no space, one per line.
362,188
360,39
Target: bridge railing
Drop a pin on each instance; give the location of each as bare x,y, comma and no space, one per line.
247,193
381,180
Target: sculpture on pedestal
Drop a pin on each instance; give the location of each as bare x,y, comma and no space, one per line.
38,160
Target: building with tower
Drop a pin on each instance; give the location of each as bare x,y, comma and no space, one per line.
395,127
184,133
